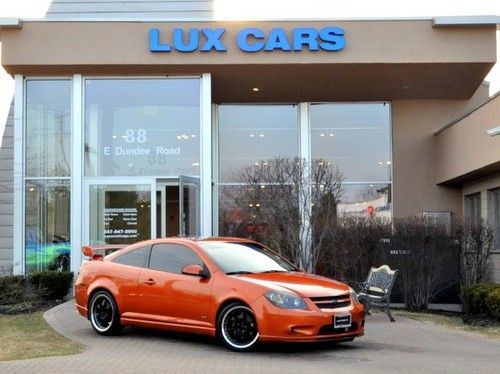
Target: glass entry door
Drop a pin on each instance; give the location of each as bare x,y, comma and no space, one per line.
189,206
119,213
178,207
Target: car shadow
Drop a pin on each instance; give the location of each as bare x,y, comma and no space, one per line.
203,342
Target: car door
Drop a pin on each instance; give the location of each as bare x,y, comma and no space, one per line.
125,270
167,296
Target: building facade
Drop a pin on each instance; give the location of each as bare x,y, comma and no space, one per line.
124,130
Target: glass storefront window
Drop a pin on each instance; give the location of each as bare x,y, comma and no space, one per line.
249,134
48,128
47,229
120,214
495,215
142,127
355,137
473,208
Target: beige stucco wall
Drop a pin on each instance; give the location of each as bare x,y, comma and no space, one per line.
416,149
123,43
383,60
466,147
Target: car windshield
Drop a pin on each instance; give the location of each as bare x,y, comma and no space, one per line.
245,258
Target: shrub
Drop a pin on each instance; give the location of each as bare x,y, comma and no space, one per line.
352,247
482,300
427,257
476,244
12,289
493,302
51,285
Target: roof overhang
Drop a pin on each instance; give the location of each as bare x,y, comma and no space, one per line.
383,59
467,21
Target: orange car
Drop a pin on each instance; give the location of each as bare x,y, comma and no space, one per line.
235,289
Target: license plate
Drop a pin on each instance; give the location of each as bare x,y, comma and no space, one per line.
342,321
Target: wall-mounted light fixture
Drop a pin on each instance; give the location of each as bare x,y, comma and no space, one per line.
494,131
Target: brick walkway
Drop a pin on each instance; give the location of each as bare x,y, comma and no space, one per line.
404,346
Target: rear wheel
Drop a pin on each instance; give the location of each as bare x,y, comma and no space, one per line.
104,315
237,327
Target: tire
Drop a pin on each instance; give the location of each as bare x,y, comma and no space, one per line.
237,327
103,314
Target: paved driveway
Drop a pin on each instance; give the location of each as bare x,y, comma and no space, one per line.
404,346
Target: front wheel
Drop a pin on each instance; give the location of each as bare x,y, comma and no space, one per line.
104,315
237,327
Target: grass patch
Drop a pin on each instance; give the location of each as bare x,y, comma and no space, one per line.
453,322
28,336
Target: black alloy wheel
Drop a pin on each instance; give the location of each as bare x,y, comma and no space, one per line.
104,315
237,327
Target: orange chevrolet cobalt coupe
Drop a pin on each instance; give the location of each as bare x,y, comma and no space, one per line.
235,289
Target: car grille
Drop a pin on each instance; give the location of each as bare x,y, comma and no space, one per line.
332,302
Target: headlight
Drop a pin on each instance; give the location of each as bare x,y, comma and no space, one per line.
285,300
354,296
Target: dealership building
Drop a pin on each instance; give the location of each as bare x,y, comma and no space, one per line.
132,120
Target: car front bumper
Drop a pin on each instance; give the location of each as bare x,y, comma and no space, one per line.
313,325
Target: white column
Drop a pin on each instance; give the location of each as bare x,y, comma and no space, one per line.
206,156
19,237
215,171
77,199
305,142
304,197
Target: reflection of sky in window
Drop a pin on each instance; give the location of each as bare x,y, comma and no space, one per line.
355,137
53,94
251,133
48,128
143,92
159,117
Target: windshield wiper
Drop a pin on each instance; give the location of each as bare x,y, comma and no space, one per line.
239,272
273,271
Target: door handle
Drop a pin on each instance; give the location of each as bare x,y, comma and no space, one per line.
150,281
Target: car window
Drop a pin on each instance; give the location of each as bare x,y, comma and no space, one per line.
135,257
172,258
234,258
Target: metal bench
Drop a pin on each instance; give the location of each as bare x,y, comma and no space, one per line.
376,290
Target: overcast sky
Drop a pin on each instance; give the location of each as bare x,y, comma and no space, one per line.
262,9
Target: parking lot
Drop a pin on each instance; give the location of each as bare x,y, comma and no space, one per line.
403,346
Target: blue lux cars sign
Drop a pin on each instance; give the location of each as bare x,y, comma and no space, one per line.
248,40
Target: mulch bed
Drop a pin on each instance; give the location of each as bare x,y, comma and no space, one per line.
26,307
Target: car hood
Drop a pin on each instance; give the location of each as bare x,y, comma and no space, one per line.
303,284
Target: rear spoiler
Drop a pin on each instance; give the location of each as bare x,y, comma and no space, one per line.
97,252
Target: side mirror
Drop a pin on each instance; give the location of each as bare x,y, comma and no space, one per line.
195,270
87,251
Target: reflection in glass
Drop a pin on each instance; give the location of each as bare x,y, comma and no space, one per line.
354,136
189,195
120,214
472,209
366,200
47,229
48,128
250,211
146,127
249,134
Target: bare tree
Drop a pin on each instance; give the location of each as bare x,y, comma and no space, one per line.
291,203
476,245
